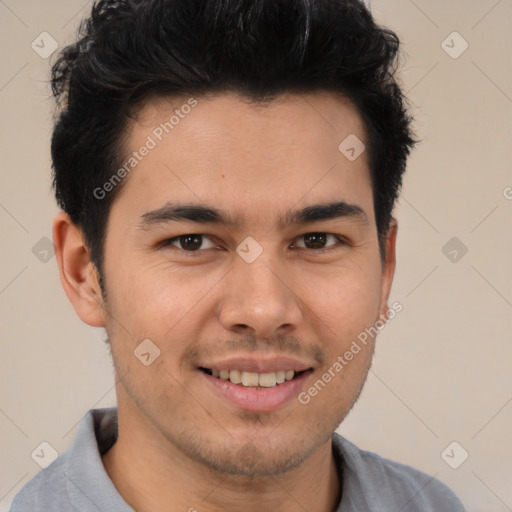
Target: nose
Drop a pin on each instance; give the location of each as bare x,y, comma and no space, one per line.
259,300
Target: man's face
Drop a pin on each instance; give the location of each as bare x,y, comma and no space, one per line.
292,296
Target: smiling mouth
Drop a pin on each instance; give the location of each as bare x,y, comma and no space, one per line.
253,379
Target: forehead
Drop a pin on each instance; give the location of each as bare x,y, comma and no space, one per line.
224,149
288,116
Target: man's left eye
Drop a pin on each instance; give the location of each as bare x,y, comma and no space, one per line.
318,240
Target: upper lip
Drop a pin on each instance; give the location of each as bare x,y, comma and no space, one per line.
258,364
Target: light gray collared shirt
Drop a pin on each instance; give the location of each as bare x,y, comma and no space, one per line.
77,480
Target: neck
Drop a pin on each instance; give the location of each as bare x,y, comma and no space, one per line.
150,473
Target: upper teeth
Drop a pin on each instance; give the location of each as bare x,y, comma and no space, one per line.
252,379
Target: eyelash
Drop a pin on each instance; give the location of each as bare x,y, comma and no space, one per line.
341,243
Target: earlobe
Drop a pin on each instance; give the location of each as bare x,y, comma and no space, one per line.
77,273
388,267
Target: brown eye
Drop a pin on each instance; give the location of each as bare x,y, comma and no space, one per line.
317,241
190,242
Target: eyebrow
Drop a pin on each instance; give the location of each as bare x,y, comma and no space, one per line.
172,212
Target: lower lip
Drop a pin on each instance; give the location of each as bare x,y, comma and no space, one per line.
257,399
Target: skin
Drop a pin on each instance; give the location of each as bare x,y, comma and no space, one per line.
181,445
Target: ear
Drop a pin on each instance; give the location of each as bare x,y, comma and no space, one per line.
388,267
78,274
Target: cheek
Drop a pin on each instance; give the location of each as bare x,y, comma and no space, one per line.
344,300
160,302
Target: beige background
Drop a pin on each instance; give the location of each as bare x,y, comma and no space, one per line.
442,370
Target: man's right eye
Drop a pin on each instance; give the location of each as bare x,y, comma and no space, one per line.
189,243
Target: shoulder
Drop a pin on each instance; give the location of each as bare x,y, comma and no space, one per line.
382,484
76,473
39,494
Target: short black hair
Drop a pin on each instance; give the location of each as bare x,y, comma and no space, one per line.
130,50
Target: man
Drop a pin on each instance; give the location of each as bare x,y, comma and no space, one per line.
227,171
